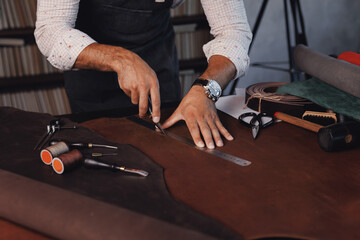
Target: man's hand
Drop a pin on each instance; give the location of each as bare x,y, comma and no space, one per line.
138,81
200,115
199,111
135,76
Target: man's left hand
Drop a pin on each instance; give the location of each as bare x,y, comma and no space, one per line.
199,113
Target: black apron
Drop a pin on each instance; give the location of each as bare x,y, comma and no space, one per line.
141,26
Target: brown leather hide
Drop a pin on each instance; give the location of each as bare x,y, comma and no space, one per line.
292,188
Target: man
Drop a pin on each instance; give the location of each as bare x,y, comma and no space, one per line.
130,44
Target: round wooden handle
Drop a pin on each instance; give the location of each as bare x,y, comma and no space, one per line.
298,121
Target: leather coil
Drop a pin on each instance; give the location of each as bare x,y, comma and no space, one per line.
262,97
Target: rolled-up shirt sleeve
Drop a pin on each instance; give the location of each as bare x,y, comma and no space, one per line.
229,26
55,34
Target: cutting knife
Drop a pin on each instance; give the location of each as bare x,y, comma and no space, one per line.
225,156
158,124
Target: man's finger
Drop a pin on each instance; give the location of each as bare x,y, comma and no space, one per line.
143,103
206,133
134,95
215,133
223,130
195,132
174,118
155,101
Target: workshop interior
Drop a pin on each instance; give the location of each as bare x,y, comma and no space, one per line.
290,172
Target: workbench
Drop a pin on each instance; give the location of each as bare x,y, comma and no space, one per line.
292,189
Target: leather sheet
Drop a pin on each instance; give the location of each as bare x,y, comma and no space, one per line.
85,203
292,188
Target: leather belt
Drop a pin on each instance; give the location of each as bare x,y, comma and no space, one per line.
262,97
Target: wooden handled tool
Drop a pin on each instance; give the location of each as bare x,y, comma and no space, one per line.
298,122
335,137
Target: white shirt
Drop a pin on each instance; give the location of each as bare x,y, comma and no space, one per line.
61,43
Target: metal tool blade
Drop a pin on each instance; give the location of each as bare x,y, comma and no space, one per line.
255,130
134,171
156,124
103,146
215,152
41,140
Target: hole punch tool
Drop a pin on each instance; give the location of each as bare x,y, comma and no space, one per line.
51,128
256,121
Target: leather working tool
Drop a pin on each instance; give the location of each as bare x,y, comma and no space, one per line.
82,145
103,154
96,164
322,118
256,121
225,156
157,124
335,137
51,128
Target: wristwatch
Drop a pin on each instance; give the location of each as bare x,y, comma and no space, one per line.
212,88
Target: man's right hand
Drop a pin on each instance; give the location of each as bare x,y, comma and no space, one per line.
135,76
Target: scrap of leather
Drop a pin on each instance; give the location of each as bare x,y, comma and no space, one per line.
86,203
292,188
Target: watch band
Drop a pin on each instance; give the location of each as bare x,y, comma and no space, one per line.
200,82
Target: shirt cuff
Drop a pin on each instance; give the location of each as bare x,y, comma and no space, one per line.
67,48
231,49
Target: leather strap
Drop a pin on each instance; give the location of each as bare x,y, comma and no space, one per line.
262,97
200,82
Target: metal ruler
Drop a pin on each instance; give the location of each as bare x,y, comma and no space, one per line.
225,156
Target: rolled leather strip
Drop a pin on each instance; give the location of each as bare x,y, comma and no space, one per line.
340,74
261,97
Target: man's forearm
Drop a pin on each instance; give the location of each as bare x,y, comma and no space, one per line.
220,69
101,57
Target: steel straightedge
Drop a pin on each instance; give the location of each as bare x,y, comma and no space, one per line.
225,156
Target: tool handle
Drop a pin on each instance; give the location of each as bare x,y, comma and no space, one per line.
81,145
298,122
103,154
71,145
94,164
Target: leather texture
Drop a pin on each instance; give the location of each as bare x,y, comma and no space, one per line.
292,189
52,200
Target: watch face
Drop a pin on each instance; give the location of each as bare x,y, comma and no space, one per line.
214,88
